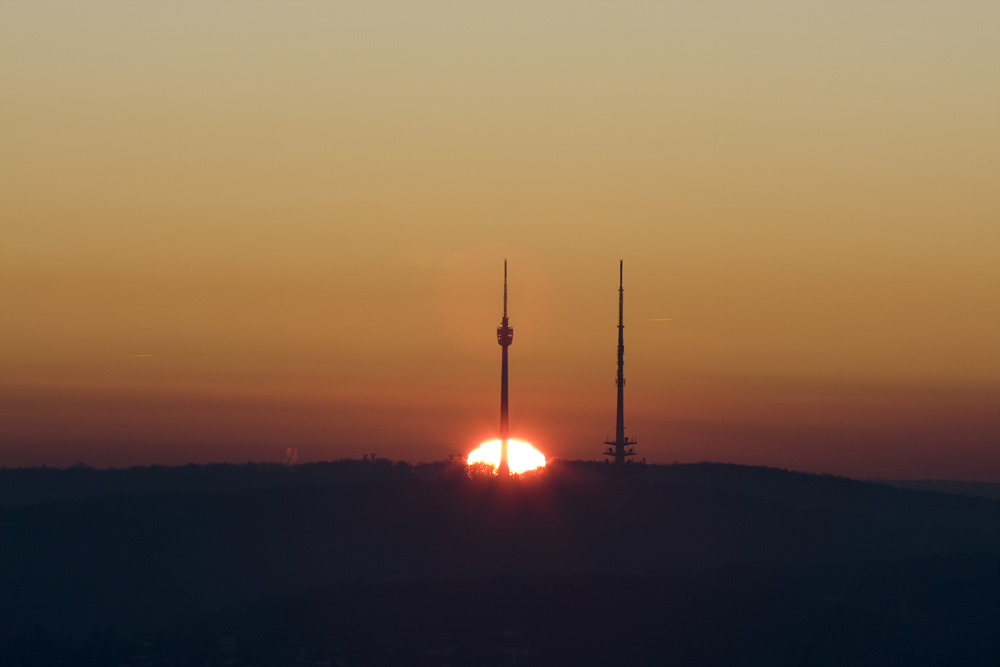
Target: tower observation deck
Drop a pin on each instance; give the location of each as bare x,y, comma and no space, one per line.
620,448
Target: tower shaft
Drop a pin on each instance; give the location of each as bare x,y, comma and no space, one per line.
621,447
504,427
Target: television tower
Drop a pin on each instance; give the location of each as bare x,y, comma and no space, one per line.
505,336
621,447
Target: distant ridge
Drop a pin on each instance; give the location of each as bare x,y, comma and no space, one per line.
27,486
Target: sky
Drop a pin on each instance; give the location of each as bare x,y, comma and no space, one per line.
229,228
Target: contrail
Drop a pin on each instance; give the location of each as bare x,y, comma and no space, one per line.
661,319
140,355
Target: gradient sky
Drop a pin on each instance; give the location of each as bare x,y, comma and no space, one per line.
227,228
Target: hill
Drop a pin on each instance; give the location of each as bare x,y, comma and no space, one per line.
166,557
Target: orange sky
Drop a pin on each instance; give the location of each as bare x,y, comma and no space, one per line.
301,211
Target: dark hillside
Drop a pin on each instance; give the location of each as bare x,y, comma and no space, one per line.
28,486
129,561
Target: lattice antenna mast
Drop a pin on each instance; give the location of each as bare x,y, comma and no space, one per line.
505,336
620,448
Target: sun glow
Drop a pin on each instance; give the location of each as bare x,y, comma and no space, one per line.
521,456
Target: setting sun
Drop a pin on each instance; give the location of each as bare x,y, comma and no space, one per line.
521,456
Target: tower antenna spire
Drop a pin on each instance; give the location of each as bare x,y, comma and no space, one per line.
505,288
620,448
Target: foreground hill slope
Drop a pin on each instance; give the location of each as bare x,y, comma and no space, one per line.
129,561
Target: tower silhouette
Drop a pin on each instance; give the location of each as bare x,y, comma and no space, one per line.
621,447
505,336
